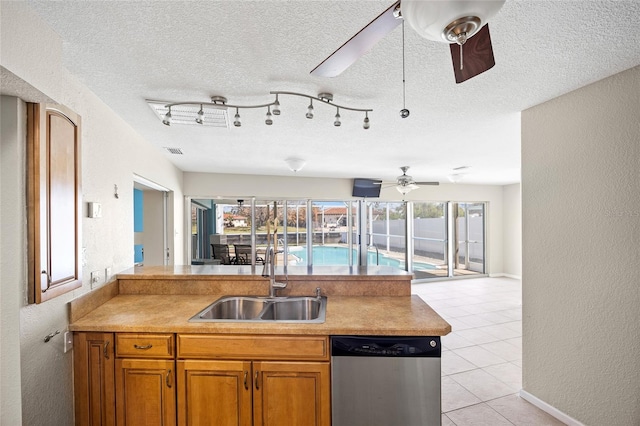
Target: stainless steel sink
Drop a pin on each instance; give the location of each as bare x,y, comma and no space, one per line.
301,309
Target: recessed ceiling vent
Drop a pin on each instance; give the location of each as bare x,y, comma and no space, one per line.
176,151
214,116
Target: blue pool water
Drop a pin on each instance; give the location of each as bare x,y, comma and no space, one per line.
331,255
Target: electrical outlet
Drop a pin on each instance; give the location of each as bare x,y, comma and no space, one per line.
107,273
96,278
68,341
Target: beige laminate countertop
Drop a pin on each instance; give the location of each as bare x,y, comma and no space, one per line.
379,315
360,301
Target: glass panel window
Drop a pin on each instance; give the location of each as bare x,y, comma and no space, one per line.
388,229
469,239
429,240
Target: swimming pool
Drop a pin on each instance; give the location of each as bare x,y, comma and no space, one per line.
335,255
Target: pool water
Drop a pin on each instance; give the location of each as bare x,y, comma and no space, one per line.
332,255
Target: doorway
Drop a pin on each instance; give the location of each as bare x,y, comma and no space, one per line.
151,221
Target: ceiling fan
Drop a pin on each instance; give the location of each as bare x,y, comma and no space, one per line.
405,183
457,22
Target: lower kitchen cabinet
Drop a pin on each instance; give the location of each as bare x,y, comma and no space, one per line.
93,379
139,379
214,393
145,392
258,393
291,393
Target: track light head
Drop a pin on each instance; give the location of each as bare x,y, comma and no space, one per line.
276,106
337,121
366,124
268,121
310,110
200,117
167,118
236,119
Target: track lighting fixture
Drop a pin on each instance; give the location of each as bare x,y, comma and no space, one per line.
236,119
276,106
214,113
268,121
310,109
337,122
167,118
200,117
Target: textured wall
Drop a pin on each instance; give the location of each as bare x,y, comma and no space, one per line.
111,154
581,262
12,255
512,230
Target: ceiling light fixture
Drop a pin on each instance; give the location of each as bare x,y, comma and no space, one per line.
295,164
209,113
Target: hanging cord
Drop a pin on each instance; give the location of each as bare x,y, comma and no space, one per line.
404,112
404,92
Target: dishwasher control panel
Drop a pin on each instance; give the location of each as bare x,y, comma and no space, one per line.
386,346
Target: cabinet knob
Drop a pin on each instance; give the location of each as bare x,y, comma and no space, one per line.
143,347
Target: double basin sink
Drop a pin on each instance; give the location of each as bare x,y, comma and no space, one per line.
301,309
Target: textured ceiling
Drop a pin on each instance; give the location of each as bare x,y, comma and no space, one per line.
129,51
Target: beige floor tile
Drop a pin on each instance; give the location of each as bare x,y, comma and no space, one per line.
482,384
508,373
521,413
452,363
455,396
501,331
478,415
454,341
477,336
479,356
446,421
474,321
504,350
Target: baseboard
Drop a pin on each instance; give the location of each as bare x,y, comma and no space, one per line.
499,275
551,410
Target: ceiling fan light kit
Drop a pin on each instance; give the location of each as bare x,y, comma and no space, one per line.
449,21
214,113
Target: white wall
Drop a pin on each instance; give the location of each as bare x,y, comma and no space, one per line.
581,256
210,185
12,255
512,230
111,153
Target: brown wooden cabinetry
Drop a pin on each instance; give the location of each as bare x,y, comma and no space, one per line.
259,390
134,379
93,364
145,388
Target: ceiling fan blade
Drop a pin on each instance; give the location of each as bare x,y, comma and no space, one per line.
359,44
427,183
477,56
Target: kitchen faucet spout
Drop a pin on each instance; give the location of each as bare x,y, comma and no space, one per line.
270,265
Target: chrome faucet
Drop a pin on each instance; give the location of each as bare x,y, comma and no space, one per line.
270,265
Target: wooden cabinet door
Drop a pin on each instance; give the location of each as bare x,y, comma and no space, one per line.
145,392
214,393
292,394
93,377
54,201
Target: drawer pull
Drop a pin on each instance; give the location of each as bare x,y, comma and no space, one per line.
256,379
246,385
104,351
143,347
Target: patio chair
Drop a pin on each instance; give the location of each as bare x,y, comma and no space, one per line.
221,252
243,254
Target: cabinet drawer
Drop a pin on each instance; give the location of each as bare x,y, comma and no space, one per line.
144,345
253,347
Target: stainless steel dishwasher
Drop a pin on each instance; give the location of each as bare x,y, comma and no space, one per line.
385,381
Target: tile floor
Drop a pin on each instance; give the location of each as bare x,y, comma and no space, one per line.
482,356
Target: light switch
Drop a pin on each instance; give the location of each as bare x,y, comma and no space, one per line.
95,210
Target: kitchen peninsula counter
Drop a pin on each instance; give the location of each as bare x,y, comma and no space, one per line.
360,301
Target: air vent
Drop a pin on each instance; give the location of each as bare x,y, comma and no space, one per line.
176,151
214,115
